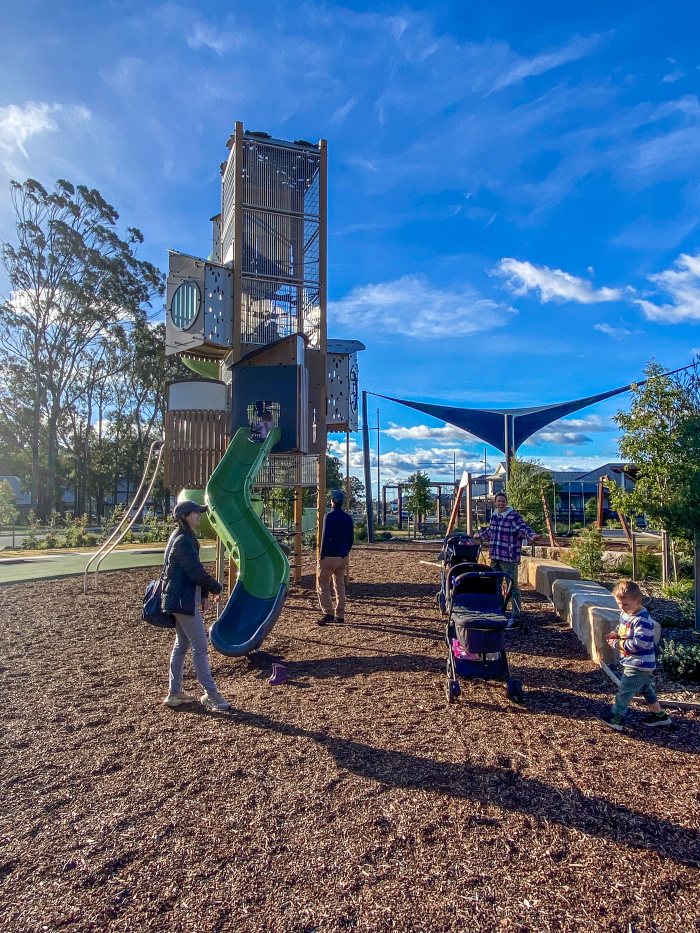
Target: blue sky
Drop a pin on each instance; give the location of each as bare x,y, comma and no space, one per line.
514,196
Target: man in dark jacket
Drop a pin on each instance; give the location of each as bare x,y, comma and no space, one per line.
185,584
336,541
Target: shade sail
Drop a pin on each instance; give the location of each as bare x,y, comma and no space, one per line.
489,424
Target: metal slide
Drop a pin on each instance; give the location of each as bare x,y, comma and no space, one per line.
263,578
131,513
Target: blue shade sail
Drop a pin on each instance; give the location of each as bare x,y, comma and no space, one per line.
490,424
184,307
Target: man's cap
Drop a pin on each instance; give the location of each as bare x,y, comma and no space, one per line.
337,495
184,508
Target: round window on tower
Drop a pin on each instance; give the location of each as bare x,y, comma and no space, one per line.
184,307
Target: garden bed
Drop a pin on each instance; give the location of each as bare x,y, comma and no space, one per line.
352,798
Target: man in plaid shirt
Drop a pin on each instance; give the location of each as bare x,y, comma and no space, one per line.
505,535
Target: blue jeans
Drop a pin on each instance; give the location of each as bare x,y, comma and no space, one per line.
633,681
511,568
190,633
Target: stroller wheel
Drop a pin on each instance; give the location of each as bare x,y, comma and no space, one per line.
514,689
452,690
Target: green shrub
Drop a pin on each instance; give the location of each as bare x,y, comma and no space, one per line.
678,589
648,565
682,662
384,536
360,532
586,553
31,541
308,539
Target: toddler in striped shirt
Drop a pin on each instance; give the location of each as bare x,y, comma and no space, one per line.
634,639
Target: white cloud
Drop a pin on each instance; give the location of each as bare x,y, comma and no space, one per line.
570,431
412,307
616,332
341,113
423,432
673,77
552,284
18,124
539,64
682,283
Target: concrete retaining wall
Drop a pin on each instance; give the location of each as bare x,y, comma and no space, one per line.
591,611
541,573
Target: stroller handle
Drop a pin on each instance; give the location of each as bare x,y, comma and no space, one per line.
492,574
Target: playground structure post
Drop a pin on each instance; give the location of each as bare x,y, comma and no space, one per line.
368,472
468,503
400,504
298,529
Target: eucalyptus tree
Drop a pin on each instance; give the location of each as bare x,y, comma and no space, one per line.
73,278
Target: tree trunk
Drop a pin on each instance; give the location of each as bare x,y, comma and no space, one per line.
36,427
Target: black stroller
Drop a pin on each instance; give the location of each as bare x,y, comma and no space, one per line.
474,599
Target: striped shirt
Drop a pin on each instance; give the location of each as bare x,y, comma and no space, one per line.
506,534
636,642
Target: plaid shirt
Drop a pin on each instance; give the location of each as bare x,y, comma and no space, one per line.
505,535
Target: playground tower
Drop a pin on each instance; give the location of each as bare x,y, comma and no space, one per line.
250,320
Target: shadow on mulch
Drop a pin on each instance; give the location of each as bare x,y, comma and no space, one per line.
495,785
381,591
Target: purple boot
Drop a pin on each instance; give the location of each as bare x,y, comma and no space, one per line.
279,675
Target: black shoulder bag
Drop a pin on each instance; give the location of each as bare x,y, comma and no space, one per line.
152,600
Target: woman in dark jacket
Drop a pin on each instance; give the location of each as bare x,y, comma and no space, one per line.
185,584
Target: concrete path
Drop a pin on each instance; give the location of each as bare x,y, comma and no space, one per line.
16,568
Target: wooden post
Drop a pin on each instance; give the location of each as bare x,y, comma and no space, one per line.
623,522
665,558
298,527
321,501
455,509
384,505
400,502
634,553
468,503
548,519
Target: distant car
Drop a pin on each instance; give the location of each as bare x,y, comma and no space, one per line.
641,521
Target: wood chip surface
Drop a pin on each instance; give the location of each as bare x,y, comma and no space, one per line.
351,798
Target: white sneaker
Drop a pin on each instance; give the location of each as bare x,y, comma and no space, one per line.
177,699
215,701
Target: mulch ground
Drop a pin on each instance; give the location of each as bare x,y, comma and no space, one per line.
352,798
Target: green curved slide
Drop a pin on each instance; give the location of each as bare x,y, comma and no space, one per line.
263,579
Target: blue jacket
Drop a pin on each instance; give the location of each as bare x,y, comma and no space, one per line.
338,534
183,573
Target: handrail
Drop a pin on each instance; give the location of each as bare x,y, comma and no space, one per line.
120,531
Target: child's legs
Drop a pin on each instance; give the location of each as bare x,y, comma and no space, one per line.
631,682
650,696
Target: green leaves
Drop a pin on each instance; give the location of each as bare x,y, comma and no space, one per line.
528,478
661,437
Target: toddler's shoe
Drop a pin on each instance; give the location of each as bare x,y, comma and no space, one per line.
177,699
611,721
657,719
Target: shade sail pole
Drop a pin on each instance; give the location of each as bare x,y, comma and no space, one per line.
368,472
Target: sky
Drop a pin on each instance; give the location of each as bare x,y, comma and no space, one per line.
514,203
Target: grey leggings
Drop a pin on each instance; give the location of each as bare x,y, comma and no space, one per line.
190,633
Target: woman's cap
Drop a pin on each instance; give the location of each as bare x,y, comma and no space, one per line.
184,508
